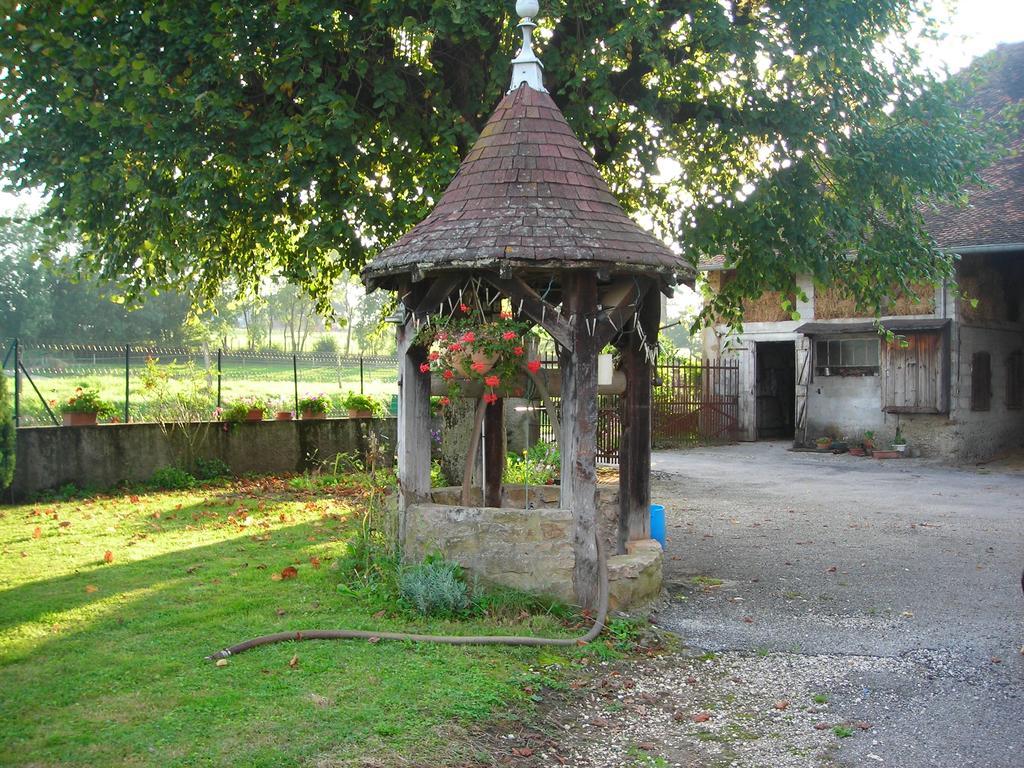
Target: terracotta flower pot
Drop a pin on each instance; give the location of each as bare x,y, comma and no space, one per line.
355,413
73,419
283,416
255,414
307,415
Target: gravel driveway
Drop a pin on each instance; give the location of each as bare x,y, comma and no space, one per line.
837,611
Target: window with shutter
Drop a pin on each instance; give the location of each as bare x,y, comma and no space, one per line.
916,373
981,381
1015,380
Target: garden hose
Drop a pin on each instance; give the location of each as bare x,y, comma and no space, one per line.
362,634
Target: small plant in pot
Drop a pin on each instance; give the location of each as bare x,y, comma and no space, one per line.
245,409
314,406
359,406
868,443
84,406
823,443
899,442
280,410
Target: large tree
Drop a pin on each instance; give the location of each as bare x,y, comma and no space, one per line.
191,144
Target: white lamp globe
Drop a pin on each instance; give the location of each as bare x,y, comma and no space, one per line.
527,9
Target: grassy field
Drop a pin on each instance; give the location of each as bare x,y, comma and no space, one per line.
101,655
57,373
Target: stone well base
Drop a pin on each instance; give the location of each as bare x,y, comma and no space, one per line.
526,549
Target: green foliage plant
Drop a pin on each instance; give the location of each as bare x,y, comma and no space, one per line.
238,410
180,399
435,588
354,401
538,465
86,399
8,436
326,345
210,468
172,479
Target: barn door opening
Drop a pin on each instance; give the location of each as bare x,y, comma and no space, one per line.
776,389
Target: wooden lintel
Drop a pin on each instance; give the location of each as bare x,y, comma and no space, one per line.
533,306
617,317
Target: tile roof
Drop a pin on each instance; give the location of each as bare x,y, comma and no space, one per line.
527,195
995,211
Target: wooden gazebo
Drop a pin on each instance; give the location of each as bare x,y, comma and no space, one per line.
528,216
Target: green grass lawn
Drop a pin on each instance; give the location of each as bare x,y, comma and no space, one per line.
101,663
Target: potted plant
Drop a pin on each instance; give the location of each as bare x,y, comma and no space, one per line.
868,443
82,408
899,443
245,409
314,406
281,410
823,443
359,406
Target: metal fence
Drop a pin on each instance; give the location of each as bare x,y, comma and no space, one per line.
46,374
692,403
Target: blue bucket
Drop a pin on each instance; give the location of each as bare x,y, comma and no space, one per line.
658,524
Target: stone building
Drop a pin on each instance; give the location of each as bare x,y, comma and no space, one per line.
953,386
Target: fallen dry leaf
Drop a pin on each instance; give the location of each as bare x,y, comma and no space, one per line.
37,532
821,726
90,588
782,704
289,572
108,556
315,562
293,662
701,717
222,662
522,751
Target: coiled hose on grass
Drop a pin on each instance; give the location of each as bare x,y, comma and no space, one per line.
363,634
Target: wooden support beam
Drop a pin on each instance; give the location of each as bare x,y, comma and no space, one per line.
533,306
578,362
635,443
413,424
615,319
440,288
494,452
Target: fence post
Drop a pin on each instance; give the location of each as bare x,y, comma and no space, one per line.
295,380
127,368
219,369
361,374
17,383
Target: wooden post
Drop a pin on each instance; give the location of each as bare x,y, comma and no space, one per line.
579,431
635,446
494,451
413,424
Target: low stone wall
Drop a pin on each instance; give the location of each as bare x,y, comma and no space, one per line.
526,549
108,454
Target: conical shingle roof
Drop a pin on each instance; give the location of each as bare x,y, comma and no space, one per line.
528,195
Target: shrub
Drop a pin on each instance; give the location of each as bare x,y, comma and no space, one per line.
326,345
172,479
211,469
435,588
8,436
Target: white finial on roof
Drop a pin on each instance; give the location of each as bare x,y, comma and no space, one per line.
526,67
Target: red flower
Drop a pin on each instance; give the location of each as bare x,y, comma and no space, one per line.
445,400
464,307
468,337
518,351
533,365
492,381
508,335
433,356
442,335
455,346
490,398
479,367
448,375
424,367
